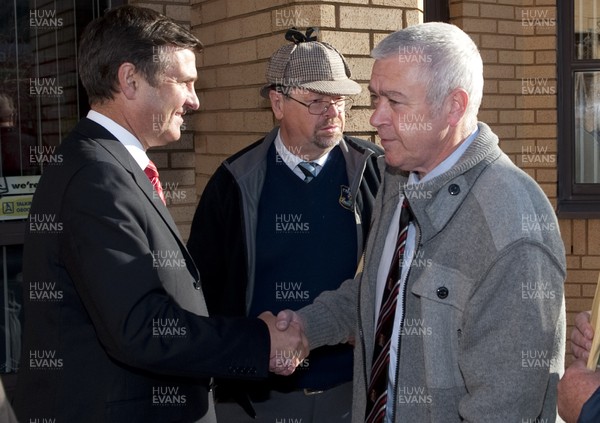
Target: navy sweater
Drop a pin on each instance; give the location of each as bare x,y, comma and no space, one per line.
306,239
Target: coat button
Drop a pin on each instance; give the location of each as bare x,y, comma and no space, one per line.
442,292
454,189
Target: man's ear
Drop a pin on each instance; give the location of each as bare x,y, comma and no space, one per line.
128,80
276,103
459,100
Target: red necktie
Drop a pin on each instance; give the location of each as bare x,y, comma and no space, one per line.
377,392
152,173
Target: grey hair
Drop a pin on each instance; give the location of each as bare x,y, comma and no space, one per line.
448,57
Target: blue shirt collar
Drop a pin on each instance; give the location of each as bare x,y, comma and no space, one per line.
447,164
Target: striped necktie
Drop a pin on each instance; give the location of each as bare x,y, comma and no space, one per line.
377,392
152,173
309,169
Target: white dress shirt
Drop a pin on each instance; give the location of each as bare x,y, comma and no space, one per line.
292,160
129,141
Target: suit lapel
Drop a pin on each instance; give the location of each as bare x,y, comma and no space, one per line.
116,149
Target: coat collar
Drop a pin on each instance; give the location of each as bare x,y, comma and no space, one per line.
435,202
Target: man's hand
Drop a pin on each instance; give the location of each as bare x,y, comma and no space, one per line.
575,388
289,346
581,336
285,318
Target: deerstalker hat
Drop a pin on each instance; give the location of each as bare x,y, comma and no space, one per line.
309,64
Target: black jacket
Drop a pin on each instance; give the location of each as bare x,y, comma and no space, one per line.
113,330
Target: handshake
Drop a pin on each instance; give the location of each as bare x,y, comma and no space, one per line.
289,346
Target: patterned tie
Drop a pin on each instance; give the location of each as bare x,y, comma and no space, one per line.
377,392
152,173
309,169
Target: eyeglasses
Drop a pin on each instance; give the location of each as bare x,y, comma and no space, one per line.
320,107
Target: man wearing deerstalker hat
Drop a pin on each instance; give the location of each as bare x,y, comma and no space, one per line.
285,219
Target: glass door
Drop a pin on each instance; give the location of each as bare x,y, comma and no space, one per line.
41,99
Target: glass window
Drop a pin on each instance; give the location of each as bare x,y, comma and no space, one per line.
587,29
11,300
41,99
587,127
436,11
579,109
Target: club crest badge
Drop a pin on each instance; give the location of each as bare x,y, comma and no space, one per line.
345,197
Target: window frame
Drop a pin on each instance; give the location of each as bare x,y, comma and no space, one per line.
436,11
574,200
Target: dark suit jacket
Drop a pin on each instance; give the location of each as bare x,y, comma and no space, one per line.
114,327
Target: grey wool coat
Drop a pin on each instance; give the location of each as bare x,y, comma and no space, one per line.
483,333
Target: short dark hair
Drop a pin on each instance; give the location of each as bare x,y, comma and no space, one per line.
130,34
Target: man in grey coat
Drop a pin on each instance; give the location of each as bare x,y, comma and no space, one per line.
478,317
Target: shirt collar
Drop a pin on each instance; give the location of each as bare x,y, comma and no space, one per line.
447,164
290,159
129,141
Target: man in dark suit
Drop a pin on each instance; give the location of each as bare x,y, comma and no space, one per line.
116,328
